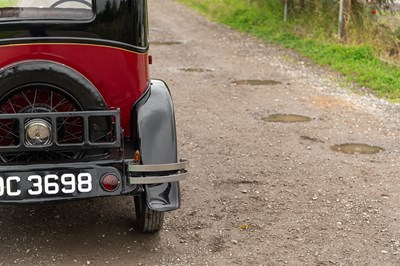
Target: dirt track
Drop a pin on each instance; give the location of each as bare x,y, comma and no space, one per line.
259,193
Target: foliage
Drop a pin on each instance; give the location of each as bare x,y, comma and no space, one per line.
355,4
313,32
7,3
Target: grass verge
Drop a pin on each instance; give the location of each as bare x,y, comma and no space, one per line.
360,63
7,3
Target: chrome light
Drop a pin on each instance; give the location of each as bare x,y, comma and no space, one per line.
38,133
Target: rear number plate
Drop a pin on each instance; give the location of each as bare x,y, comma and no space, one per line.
47,185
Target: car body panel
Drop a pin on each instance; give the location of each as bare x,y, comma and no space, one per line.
156,134
121,81
122,21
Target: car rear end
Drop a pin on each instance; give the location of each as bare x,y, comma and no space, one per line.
79,115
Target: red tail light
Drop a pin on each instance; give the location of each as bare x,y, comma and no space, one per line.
109,182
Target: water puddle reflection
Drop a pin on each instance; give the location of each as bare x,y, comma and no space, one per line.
256,82
286,118
355,148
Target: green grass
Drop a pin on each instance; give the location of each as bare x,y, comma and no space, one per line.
359,63
7,3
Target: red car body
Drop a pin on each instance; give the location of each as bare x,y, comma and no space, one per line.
121,76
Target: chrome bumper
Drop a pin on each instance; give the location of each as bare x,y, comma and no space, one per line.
179,172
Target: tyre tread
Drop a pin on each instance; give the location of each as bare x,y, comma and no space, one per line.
148,221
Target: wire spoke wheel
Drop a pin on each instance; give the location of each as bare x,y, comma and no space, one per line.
40,98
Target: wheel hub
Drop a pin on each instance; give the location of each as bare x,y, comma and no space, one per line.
38,133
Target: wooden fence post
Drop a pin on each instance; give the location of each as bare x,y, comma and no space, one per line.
344,14
285,11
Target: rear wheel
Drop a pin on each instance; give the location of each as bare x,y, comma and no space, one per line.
40,98
147,220
44,86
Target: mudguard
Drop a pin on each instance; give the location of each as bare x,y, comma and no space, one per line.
156,135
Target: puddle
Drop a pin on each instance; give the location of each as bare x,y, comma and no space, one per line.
196,70
256,82
355,148
165,43
286,118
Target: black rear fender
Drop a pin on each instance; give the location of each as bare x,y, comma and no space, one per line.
156,140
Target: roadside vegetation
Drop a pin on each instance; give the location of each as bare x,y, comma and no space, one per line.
7,3
369,53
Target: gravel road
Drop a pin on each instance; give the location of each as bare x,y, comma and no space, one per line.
260,193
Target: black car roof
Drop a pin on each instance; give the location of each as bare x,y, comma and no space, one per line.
115,22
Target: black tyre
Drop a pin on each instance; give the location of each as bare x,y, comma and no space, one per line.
147,220
54,74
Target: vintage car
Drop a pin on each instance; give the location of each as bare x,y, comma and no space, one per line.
79,116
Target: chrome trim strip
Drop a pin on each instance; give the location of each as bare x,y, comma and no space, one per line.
157,167
157,179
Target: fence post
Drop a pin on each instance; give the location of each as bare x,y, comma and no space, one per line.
285,11
344,13
342,26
